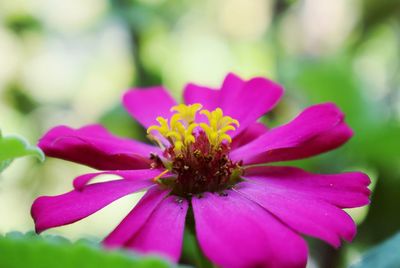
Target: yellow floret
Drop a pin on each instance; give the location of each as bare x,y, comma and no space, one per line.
186,113
217,126
179,130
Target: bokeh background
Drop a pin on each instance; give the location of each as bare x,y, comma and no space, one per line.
69,61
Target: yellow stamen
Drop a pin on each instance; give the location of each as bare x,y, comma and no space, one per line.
187,113
179,130
158,177
218,126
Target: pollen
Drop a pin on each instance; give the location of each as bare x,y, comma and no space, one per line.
196,150
181,130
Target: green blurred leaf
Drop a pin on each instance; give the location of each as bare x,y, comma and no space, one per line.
120,123
375,13
385,255
4,164
30,250
14,146
17,96
332,80
21,23
192,253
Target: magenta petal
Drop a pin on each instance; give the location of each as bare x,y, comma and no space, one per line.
234,231
94,146
317,129
345,190
53,211
198,94
256,97
251,133
136,219
236,97
137,174
163,232
145,105
304,214
231,90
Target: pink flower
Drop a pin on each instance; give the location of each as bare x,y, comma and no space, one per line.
212,160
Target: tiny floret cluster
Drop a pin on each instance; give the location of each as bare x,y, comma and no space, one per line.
179,131
195,153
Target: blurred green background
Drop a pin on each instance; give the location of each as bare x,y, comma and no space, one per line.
69,61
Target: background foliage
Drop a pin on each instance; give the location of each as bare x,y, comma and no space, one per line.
68,62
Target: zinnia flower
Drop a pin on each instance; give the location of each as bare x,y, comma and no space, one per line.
212,166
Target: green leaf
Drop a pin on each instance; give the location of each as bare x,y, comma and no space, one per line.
331,81
191,252
30,250
120,123
385,255
4,164
14,146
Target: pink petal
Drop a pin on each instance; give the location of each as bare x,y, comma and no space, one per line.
251,133
233,231
136,219
94,146
345,190
231,91
163,232
137,174
145,105
247,101
198,94
304,214
317,129
53,211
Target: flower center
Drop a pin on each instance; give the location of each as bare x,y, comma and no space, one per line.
194,151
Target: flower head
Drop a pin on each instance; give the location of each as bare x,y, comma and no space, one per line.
212,159
196,153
